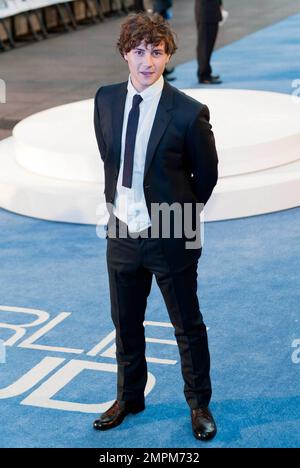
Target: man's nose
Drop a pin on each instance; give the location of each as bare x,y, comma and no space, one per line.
148,60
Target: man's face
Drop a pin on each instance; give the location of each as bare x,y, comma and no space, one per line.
146,64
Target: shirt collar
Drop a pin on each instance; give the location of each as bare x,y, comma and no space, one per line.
148,93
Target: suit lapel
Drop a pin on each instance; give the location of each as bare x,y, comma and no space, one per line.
118,108
160,124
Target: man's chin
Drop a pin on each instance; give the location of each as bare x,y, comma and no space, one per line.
148,78
146,81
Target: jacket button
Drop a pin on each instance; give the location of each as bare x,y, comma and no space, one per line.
147,186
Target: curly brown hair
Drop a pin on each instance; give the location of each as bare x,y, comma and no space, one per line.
148,27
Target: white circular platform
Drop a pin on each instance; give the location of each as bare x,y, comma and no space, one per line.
51,168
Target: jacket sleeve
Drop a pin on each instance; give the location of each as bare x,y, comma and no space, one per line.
202,154
97,126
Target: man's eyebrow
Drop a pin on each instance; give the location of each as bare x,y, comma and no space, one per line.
157,48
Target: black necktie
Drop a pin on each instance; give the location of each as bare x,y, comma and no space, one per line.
132,125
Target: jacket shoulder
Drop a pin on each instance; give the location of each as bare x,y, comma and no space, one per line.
187,105
105,92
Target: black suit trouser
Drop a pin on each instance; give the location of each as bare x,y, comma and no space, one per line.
131,263
207,35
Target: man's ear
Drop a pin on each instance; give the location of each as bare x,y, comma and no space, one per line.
125,57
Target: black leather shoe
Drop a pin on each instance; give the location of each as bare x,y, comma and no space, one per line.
116,414
203,424
211,80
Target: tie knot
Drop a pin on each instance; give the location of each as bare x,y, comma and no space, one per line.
137,99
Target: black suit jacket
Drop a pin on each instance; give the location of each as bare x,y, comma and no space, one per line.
208,11
181,158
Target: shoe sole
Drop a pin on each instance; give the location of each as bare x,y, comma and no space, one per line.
207,438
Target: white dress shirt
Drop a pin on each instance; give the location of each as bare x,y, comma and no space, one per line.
130,204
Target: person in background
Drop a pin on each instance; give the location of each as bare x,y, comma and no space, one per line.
138,5
164,8
208,14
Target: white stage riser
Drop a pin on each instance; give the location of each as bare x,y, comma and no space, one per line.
50,169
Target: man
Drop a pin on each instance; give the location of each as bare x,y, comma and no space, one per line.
208,14
158,148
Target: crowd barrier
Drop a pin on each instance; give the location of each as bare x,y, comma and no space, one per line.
20,19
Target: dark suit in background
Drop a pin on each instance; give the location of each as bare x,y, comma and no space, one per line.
138,5
207,14
180,166
162,6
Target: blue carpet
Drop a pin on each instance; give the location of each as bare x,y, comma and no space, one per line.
267,60
249,294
